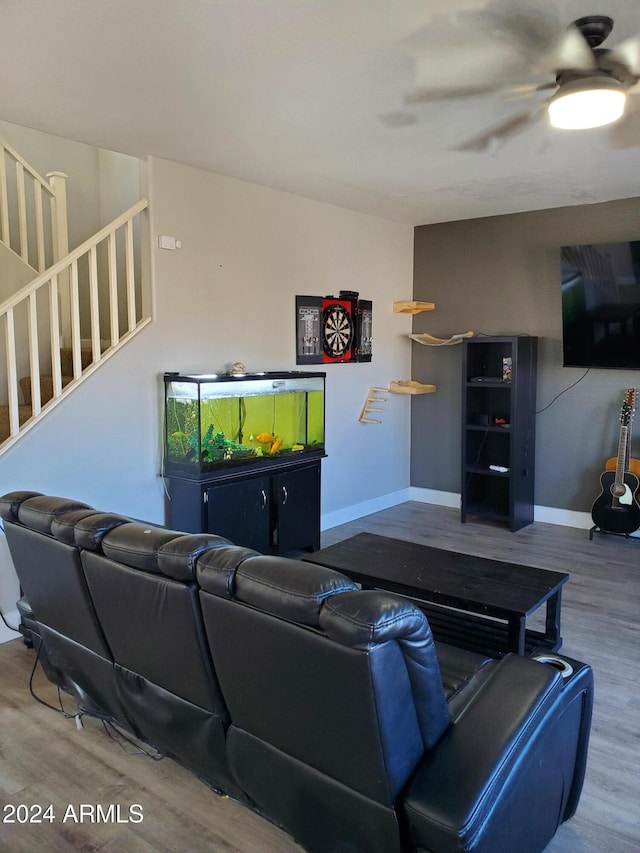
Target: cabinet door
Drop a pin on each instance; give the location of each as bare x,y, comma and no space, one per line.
297,498
184,506
241,511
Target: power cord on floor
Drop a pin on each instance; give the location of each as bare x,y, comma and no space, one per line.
112,731
61,710
10,627
124,741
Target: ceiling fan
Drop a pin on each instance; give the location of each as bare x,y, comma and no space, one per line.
590,85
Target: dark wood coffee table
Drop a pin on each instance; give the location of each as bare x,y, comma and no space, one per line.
470,601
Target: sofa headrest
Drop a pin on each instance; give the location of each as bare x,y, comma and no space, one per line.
10,503
63,527
366,618
38,513
288,588
178,558
91,530
159,551
216,569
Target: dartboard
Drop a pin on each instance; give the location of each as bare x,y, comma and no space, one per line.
337,335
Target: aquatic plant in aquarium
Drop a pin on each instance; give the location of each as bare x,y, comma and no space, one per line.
215,421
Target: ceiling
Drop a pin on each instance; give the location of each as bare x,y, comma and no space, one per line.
307,97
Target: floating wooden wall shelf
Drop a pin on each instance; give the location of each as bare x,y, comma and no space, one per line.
410,386
431,341
401,386
412,307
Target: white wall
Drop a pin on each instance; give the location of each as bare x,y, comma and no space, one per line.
119,183
229,295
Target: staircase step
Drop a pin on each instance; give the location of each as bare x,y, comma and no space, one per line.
46,388
66,360
24,413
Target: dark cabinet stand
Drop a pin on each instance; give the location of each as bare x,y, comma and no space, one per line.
498,429
274,511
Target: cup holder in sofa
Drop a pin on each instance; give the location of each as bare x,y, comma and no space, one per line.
563,666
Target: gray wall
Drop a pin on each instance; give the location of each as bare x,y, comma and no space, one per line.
501,276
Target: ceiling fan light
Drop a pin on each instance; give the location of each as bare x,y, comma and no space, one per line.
590,103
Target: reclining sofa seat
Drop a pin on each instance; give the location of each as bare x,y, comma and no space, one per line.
142,583
75,654
328,708
342,733
128,645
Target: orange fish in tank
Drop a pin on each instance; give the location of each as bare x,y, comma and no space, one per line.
265,438
277,444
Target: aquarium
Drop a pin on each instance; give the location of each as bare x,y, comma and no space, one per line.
218,421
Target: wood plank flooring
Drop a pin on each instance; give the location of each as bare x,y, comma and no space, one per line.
45,759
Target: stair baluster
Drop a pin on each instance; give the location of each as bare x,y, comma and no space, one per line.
48,343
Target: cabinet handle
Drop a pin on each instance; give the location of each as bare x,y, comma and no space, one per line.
284,495
264,498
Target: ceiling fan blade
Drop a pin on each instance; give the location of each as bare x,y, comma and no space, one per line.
501,132
571,51
545,42
628,52
426,95
514,92
626,132
521,91
465,59
481,52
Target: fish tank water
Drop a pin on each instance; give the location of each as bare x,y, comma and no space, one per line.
255,419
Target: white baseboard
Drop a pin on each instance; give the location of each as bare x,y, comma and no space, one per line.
568,518
546,514
7,634
351,513
434,496
563,517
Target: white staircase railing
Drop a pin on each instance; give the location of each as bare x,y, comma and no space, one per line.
33,211
106,306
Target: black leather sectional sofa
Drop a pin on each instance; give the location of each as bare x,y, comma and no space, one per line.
329,709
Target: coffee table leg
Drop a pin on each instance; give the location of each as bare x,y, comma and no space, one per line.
516,628
552,627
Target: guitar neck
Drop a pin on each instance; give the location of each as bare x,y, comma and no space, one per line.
623,455
627,446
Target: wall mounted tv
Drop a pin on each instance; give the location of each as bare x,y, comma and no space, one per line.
601,305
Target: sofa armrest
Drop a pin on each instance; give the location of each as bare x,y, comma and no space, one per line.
501,776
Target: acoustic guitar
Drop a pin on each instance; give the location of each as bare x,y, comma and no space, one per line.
616,509
632,465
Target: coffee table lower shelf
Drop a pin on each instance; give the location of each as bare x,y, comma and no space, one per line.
481,634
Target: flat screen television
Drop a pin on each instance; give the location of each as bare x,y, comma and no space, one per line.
601,305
